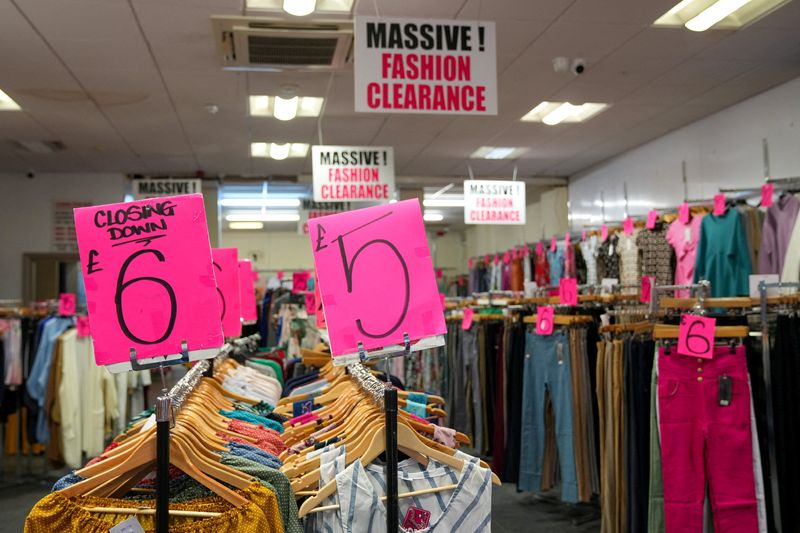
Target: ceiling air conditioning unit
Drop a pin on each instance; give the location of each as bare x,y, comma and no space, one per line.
267,44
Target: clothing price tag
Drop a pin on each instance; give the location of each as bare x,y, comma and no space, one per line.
300,281
687,234
696,336
719,205
66,304
82,326
149,280
279,275
444,302
247,291
647,289
311,305
130,525
603,233
684,213
725,390
766,194
652,218
303,407
466,322
568,291
226,271
553,244
567,240
583,234
545,320
487,259
378,282
539,248
526,251
439,273
506,258
469,263
496,259
416,518
627,226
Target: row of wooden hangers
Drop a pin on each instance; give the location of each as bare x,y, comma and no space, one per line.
356,420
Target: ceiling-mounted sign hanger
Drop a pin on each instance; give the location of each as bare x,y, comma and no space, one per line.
153,188
353,173
494,202
425,66
150,287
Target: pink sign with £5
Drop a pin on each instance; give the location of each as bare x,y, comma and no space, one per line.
377,277
149,280
247,291
226,271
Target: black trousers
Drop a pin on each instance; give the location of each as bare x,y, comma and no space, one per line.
638,364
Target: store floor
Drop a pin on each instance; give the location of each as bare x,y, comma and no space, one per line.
511,512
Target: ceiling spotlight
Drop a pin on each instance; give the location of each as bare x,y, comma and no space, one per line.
212,109
299,8
279,152
285,108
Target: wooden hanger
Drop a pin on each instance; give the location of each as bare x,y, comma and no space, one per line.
709,303
562,320
644,326
664,331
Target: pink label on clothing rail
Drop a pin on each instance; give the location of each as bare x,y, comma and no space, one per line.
66,304
149,278
442,298
226,272
652,218
583,234
603,233
320,312
378,281
696,336
539,248
684,213
766,194
300,281
279,275
553,244
567,240
719,205
545,320
311,305
82,326
647,289
627,226
506,258
466,321
568,291
247,291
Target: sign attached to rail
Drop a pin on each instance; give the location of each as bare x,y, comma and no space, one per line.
376,277
247,291
150,288
494,202
353,173
446,67
226,272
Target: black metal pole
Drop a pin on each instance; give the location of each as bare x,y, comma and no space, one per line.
392,512
163,408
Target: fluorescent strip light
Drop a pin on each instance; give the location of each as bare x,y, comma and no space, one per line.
432,217
246,225
264,217
7,104
260,202
259,106
299,8
714,14
443,202
495,152
559,114
286,108
259,149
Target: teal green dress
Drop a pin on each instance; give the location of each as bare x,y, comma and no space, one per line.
723,255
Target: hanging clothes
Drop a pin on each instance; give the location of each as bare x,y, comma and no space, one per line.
608,259
589,249
776,234
656,256
684,239
629,272
723,255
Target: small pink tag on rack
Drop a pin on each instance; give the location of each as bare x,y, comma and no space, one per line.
627,226
441,297
300,281
539,248
603,233
416,519
279,275
526,251
82,325
311,304
583,235
544,320
319,313
487,259
66,304
766,194
719,205
567,240
466,322
647,289
496,259
696,336
568,291
439,273
506,258
469,263
652,218
553,244
683,213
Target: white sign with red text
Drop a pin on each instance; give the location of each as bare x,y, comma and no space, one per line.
425,66
353,173
494,202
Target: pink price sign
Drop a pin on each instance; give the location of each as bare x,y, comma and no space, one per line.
247,291
696,336
766,194
603,233
311,303
377,282
149,280
652,218
545,320
627,226
226,271
568,291
648,282
300,281
719,205
466,321
684,213
66,304
82,326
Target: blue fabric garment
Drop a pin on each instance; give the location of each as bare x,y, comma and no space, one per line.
556,262
254,454
301,380
418,397
415,408
263,322
40,373
310,388
67,481
253,419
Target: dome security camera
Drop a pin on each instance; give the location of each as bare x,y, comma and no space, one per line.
578,66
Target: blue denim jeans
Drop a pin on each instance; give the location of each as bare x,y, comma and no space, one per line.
547,368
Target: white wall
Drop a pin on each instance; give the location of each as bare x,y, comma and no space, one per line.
26,214
722,150
286,251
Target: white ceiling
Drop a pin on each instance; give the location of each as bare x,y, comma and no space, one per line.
124,85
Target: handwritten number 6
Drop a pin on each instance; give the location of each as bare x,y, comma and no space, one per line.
122,285
699,338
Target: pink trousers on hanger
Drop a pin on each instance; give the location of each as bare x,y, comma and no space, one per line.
704,441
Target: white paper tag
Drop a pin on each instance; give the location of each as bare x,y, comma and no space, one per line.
131,525
151,422
687,234
530,289
608,284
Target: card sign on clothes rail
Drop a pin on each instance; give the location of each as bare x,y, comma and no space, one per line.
149,280
300,281
82,326
494,202
466,320
545,320
226,272
568,291
319,313
696,336
311,303
353,173
648,282
247,291
66,304
766,194
377,282
425,66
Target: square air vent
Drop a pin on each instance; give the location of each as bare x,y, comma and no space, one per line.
249,43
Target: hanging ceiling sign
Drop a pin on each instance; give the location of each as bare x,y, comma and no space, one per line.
375,274
153,188
311,209
226,272
149,281
247,291
494,202
353,173
445,67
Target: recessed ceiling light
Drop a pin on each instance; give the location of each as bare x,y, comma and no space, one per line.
701,15
322,6
299,8
288,216
246,225
497,152
430,216
278,151
552,113
7,104
278,107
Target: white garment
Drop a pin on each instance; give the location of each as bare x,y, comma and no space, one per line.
791,264
12,350
589,253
